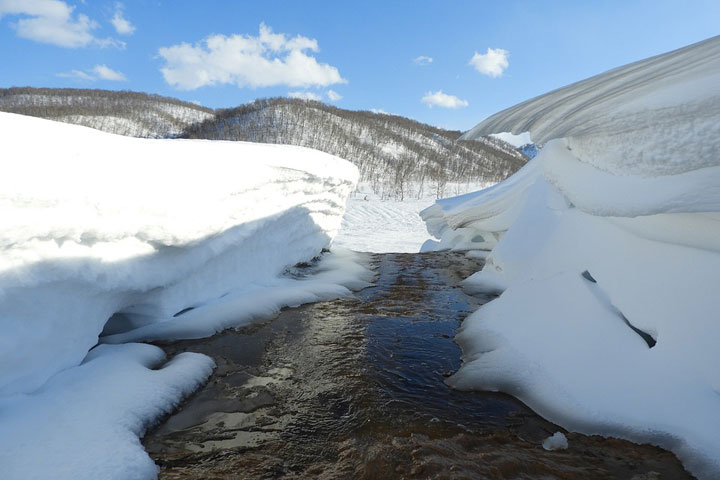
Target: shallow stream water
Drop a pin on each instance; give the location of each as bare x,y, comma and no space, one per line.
354,388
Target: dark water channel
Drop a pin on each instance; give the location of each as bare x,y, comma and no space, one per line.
354,388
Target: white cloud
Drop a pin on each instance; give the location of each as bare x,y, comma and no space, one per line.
105,73
98,72
53,22
422,60
440,99
493,63
121,24
334,96
305,95
270,59
78,74
379,111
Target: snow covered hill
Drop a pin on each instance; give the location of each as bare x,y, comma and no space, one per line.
606,248
124,113
107,239
397,157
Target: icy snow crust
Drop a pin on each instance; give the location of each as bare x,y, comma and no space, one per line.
170,238
613,230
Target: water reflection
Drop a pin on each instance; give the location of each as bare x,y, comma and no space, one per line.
355,389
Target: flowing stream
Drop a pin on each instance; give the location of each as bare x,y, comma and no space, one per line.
354,388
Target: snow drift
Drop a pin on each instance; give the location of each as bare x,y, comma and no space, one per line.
115,239
606,248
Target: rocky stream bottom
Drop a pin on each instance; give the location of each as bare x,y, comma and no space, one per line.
354,388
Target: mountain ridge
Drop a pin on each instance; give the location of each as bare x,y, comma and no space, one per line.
397,156
134,114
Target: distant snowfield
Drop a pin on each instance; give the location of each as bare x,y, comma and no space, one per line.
109,239
376,225
606,252
372,224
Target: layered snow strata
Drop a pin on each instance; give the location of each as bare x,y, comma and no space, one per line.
608,257
96,226
109,239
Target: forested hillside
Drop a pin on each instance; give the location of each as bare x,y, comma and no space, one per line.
125,113
397,156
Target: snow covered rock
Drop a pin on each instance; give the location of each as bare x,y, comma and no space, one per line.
608,257
557,441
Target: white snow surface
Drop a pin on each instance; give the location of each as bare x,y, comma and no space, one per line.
375,224
171,238
86,422
611,231
557,441
512,139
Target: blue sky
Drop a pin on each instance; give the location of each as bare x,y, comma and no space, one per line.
356,55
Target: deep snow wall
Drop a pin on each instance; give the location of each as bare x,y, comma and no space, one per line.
606,249
95,224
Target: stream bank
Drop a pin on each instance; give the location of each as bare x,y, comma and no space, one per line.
354,388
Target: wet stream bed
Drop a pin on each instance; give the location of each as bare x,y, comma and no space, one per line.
354,388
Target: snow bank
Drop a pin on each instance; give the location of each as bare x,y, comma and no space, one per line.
606,248
335,275
94,224
85,423
115,239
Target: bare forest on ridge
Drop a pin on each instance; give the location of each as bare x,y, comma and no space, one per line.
396,156
126,113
